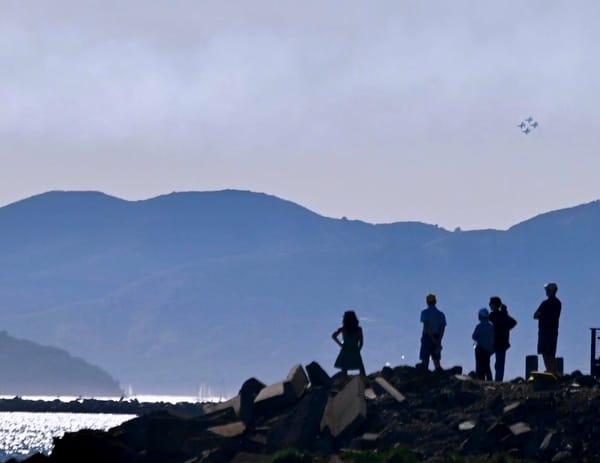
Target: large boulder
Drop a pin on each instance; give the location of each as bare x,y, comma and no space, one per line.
346,411
276,396
299,428
317,376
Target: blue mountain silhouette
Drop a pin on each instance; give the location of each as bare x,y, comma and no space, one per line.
214,287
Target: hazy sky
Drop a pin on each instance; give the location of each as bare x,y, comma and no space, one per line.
383,111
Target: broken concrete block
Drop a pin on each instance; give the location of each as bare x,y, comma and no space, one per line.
297,380
317,376
370,394
283,393
300,427
347,410
519,429
388,388
466,425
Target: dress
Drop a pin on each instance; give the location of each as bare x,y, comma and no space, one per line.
349,357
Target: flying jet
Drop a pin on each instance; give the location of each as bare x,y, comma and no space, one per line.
527,130
534,124
529,119
522,125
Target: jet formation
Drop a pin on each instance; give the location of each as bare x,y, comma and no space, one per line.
527,125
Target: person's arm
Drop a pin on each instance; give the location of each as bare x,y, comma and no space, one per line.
538,313
360,339
428,332
475,335
335,335
511,323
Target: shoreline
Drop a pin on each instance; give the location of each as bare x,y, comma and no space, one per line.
125,407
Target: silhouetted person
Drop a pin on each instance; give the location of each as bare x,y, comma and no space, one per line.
547,316
349,357
503,323
434,325
484,345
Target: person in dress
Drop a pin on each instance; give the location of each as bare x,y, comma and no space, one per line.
352,342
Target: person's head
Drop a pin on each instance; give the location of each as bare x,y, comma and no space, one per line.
551,289
483,314
495,303
430,299
350,321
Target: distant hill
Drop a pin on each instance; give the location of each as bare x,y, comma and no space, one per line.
210,287
31,369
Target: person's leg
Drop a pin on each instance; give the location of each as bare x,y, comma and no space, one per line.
425,352
550,364
488,370
499,365
479,363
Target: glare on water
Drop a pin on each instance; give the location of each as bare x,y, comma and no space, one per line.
24,433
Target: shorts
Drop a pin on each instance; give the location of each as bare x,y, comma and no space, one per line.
429,349
547,341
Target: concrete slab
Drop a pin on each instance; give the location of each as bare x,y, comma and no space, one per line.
347,410
391,390
317,376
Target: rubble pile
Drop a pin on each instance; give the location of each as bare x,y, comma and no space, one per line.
437,416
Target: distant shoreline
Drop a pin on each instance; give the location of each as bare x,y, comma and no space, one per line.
126,406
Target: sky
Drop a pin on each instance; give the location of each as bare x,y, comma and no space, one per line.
381,111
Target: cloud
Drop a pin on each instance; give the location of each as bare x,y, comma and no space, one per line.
231,90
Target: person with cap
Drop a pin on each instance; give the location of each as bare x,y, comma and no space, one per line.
484,345
503,323
434,325
547,315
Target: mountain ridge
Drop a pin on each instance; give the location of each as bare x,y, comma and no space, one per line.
192,288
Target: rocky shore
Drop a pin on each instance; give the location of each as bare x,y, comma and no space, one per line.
395,415
125,407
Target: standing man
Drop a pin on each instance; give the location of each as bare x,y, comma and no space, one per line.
434,325
503,323
547,316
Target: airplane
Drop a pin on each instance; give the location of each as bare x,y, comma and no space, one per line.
527,130
534,124
522,125
529,119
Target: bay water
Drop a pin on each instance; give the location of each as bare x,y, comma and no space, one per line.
24,433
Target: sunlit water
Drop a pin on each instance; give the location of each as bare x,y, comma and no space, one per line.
24,433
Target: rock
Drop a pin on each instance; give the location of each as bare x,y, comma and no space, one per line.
299,428
455,370
389,389
511,407
276,396
92,447
243,457
317,376
367,441
549,445
297,380
370,394
563,457
519,429
35,458
466,425
345,412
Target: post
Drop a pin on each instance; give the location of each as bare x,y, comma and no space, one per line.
593,353
531,364
594,357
